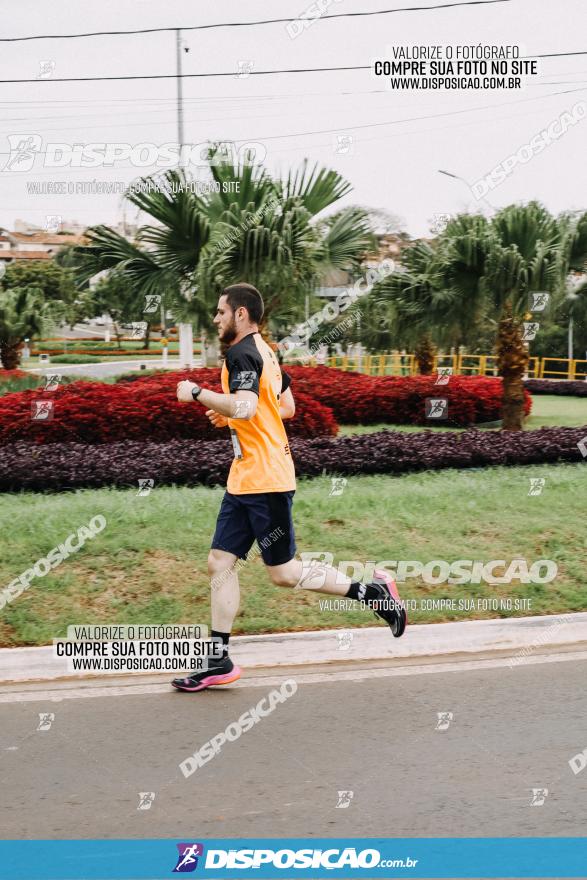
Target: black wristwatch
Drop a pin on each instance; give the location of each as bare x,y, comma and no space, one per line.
196,392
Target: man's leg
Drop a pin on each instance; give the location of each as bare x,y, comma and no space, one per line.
380,595
232,541
271,521
312,575
224,589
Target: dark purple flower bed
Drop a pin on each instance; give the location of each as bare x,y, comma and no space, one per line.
58,466
564,387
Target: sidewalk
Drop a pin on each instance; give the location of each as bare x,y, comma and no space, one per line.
518,637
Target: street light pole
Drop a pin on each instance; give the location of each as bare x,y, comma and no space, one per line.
570,345
574,281
468,185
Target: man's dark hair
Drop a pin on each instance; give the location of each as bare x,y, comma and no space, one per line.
243,294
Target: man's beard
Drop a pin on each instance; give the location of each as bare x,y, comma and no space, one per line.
228,336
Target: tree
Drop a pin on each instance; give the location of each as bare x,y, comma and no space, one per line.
54,278
270,234
23,314
115,296
419,302
459,288
522,256
479,272
570,305
512,360
55,282
248,227
424,355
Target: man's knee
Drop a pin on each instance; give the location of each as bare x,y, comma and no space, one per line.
286,575
219,561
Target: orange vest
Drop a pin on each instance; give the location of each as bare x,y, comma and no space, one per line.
265,463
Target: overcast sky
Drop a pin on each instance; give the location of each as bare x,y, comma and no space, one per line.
393,167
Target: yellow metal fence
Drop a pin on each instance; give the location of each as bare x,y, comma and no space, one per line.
459,365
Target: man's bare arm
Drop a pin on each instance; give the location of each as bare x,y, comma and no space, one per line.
241,405
287,405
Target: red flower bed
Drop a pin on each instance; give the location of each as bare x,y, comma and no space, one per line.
358,399
144,407
8,375
94,412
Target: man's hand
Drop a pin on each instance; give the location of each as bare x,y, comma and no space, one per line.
217,420
184,391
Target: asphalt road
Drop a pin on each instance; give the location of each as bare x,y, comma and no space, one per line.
103,369
512,731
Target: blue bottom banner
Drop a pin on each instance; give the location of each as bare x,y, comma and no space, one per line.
449,857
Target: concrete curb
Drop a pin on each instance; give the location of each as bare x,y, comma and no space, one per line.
518,637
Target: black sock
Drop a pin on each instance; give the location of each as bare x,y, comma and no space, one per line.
362,592
214,634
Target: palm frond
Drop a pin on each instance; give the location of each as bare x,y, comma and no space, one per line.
317,188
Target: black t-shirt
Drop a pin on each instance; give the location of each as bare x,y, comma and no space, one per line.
245,365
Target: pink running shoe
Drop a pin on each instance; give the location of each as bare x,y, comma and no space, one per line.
392,609
222,672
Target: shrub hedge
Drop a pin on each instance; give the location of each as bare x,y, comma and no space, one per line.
358,399
146,408
556,386
58,466
95,412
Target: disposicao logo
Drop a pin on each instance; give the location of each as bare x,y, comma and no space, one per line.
187,860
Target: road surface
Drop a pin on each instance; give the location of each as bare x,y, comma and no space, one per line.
512,731
103,369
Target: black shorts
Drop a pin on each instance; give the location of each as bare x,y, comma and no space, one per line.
264,516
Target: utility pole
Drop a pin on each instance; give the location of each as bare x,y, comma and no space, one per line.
179,95
186,331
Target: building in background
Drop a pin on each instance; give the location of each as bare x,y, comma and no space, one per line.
34,243
390,247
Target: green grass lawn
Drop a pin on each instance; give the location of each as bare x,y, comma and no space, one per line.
552,409
149,563
548,410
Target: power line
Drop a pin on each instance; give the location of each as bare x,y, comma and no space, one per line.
345,128
301,147
185,75
274,96
418,131
121,119
232,24
168,103
232,72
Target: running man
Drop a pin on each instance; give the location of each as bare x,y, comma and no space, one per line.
261,484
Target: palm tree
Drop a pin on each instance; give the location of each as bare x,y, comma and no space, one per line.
463,254
419,302
269,234
484,270
524,256
512,357
571,295
23,313
424,355
263,230
516,255
164,257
